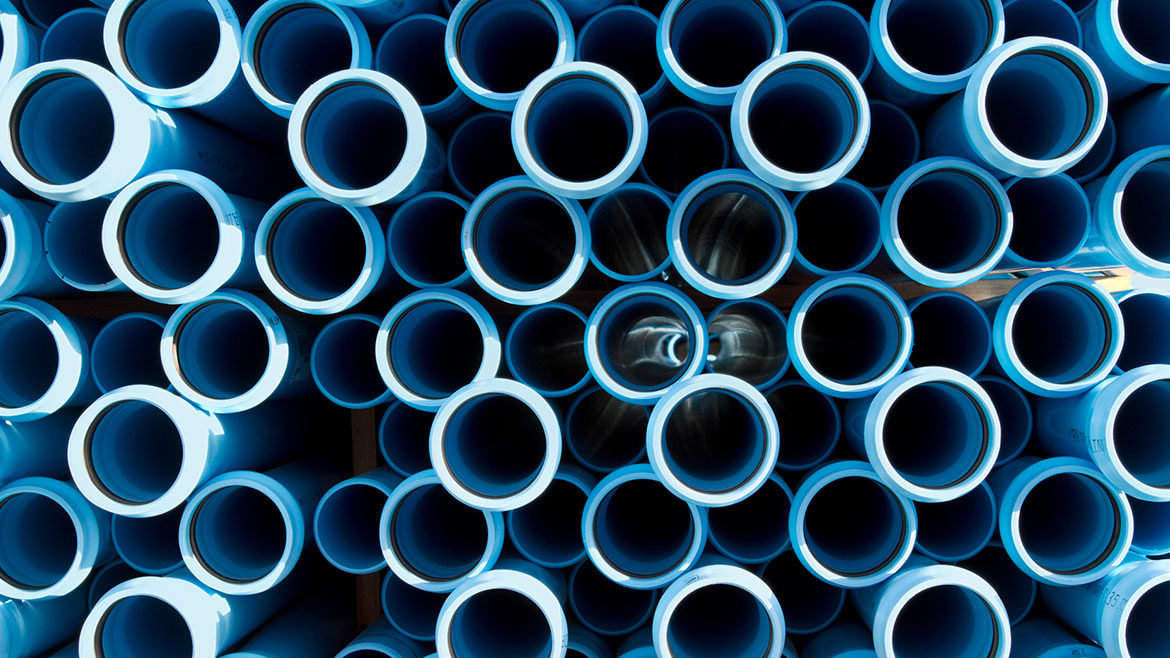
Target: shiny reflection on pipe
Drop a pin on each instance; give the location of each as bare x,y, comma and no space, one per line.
746,339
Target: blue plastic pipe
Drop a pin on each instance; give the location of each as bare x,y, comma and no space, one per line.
1123,37
893,146
638,533
950,330
289,44
35,447
479,153
76,34
809,422
345,523
1140,124
1151,527
341,365
524,245
25,268
730,236
810,605
848,528
1016,589
31,628
837,229
359,138
312,627
1144,313
747,339
410,610
1056,364
19,49
628,232
1042,18
545,349
43,13
957,529
755,529
834,29
402,438
708,47
641,643
142,451
411,52
587,644
1043,637
73,245
379,14
434,542
682,144
1099,157
44,360
845,640
422,240
623,39
1051,219
849,334
113,573
606,607
1043,539
148,544
317,257
604,433
547,531
380,639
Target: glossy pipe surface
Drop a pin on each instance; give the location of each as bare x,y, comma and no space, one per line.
950,330
422,241
411,52
747,339
44,360
73,245
837,229
345,522
623,39
545,349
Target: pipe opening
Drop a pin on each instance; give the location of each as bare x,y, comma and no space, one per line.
411,52
134,452
423,239
646,342
834,30
747,340
1142,208
714,441
956,528
579,128
809,424
73,243
642,529
1073,353
1016,589
1144,24
628,227
342,364
809,603
435,348
802,118
946,620
347,525
144,626
150,543
106,578
851,334
524,239
489,50
238,533
480,153
733,232
437,537
78,36
754,528
935,435
317,250
1145,317
855,526
41,540
297,46
605,433
951,332
605,606
354,135
974,221
624,40
1145,635
825,216
221,349
546,349
1050,218
719,42
1142,419
891,148
28,359
494,445
1015,416
43,13
549,528
1099,156
1039,104
169,44
63,128
402,438
1064,543
682,144
411,610
168,235
720,620
940,38
1042,18
1151,526
477,625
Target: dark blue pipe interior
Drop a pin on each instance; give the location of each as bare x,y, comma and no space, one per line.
747,340
802,119
411,52
945,620
605,606
524,238
579,128
891,148
970,232
298,46
714,440
628,231
605,433
79,36
682,144
424,239
623,40
855,525
755,527
44,12
73,241
28,358
1142,422
643,529
833,30
1144,24
1145,318
851,334
170,43
239,533
956,527
1050,218
1041,18
477,625
940,38
546,349
318,250
719,42
342,361
1037,105
1063,542
402,438
491,54
494,445
106,578
1099,156
1142,203
437,536
145,627
347,525
1151,526
1015,588
480,153
645,342
722,620
169,235
935,434
808,602
1015,415
222,349
950,332
1145,632
150,542
435,348
837,227
355,136
65,129
549,528
413,610
1070,354
40,540
733,232
809,424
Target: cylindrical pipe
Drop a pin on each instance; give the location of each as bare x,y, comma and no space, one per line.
1042,18
950,330
545,349
113,573
849,528
682,144
76,34
345,523
730,236
809,423
1033,107
606,607
148,544
230,351
57,538
1043,637
892,147
1099,157
290,44
175,237
1043,539
141,451
837,228
708,48
800,121
19,48
1016,589
1144,313
489,63
956,530
639,534
849,334
434,542
712,440
496,444
641,643
623,39
358,138
1051,219
403,433
604,433
1015,416
1139,125
35,447
73,245
718,609
379,14
747,339
833,29
312,627
845,640
31,628
755,529
44,360
1048,363
24,266
341,365
422,240
979,222
810,604
479,153
1124,39
380,639
524,245
547,531
318,257
411,52
1151,527
410,610
924,49
583,643
43,13
628,232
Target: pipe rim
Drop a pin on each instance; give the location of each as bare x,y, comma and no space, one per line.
573,447
1121,53
512,580
449,108
193,603
56,212
465,126
1026,406
104,333
388,581
1107,211
1139,581
584,482
741,558
51,30
699,114
781,321
315,364
984,489
915,152
72,359
571,601
837,429
23,238
86,525
642,188
384,484
510,345
19,45
977,312
393,255
383,444
657,91
1102,420
1076,190
715,575
870,199
854,16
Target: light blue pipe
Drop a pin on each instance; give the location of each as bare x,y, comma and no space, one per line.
31,628
422,241
848,528
524,245
754,530
708,47
317,257
1100,156
824,112
149,544
1151,527
1032,108
345,523
1116,425
434,542
379,14
623,39
313,627
639,534
1140,124
380,639
894,144
682,144
718,609
113,573
244,532
545,349
410,610
981,222
76,34
950,330
628,231
73,245
747,339
1124,612
928,609
479,153
1014,409
956,530
516,595
44,360
402,438
712,440
730,236
1056,364
1123,38
914,65
810,424
57,538
639,644
1016,589
606,607
175,237
20,48
604,433
140,451
1042,538
230,351
810,605
547,531
358,138
1043,637
586,644
837,228
849,334
411,52
24,267
845,640
496,444
341,366
834,29
288,44
1051,220
1042,18
1143,313
487,61
35,447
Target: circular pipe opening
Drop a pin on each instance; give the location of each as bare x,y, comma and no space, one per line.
134,452
494,445
480,153
414,612
603,432
714,441
837,228
105,578
346,527
1078,350
623,39
73,238
62,128
238,533
1016,589
628,231
523,238
809,603
298,45
341,363
1143,25
935,435
476,625
423,240
402,438
1144,316
1050,220
436,537
411,52
731,232
490,55
851,335
682,144
1151,526
720,619
435,347
149,544
956,529
143,626
221,349
833,29
1041,18
77,34
642,530
747,339
548,530
855,527
756,528
809,423
43,13
29,360
974,228
42,540
952,331
1141,200
1093,164
355,135
1069,544
605,606
646,342
1142,417
893,146
969,627
168,235
545,349
168,44
940,39
718,43
318,250
1144,629
1039,104
1015,416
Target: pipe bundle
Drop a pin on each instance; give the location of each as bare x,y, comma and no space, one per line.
683,328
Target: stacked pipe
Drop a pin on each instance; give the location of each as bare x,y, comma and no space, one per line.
527,328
